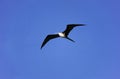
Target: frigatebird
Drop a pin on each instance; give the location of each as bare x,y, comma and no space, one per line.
63,34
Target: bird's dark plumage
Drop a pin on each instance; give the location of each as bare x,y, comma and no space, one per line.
70,27
48,38
63,34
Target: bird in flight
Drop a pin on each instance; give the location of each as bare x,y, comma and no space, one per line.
63,34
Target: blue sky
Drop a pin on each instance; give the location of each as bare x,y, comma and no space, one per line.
25,23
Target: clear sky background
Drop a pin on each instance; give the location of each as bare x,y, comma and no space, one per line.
25,23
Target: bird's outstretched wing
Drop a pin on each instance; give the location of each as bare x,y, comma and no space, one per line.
70,27
48,38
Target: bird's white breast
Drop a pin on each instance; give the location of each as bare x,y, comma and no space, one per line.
61,34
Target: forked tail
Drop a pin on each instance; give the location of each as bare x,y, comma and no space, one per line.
70,39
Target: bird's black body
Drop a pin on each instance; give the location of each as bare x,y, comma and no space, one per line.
63,34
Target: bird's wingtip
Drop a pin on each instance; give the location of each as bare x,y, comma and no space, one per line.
41,48
82,24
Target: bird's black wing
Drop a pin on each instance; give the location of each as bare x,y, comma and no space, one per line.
48,38
70,27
